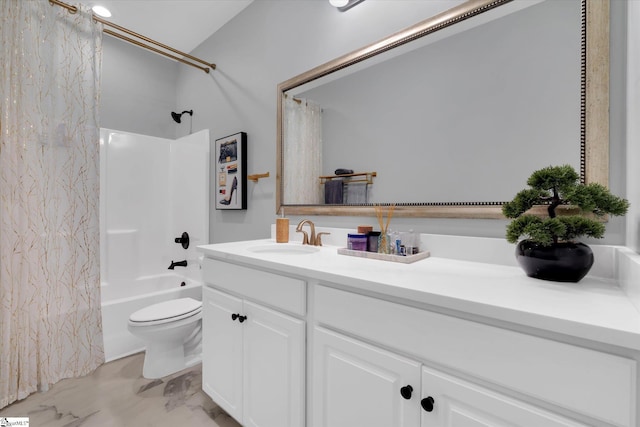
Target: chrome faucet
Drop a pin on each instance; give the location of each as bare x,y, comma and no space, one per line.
314,239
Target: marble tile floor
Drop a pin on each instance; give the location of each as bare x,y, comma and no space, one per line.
116,394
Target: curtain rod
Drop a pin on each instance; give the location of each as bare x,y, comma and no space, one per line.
74,9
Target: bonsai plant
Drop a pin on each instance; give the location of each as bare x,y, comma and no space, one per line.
548,250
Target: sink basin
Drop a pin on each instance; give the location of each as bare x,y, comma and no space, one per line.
284,249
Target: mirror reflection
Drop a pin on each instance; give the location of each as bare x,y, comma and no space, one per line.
461,120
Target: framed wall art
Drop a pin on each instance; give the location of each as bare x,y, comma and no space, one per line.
231,172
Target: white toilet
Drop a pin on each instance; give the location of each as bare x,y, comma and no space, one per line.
172,332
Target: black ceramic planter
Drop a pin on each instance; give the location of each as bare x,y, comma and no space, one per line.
562,262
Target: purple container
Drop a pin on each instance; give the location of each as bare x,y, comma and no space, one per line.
357,242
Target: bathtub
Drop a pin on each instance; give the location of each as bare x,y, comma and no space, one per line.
119,300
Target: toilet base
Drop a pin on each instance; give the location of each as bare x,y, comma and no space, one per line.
153,371
162,359
172,343
167,357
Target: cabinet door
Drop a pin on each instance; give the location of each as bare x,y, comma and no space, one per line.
356,384
222,351
273,368
452,402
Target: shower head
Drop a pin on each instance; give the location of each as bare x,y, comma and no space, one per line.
176,116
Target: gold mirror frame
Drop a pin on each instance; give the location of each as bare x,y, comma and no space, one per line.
594,108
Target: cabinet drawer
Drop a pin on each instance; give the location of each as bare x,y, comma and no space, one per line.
590,382
277,291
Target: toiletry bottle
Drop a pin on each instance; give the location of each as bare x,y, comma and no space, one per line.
415,237
409,240
373,238
357,242
282,229
394,243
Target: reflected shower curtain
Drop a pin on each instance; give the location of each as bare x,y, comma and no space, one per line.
302,153
50,320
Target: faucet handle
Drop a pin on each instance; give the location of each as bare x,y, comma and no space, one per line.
305,237
319,237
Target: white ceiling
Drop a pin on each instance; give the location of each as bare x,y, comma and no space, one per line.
181,24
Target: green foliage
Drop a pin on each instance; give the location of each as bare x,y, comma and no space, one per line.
558,177
522,202
576,226
555,186
534,228
597,199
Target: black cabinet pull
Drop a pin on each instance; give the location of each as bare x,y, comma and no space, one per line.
427,403
237,316
406,391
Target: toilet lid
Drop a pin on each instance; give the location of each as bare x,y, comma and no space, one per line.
177,308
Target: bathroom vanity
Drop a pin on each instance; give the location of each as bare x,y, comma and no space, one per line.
302,336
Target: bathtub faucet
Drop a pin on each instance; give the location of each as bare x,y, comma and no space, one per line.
178,264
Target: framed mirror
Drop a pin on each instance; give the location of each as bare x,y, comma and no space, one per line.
449,117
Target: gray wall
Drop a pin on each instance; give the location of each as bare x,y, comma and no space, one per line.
138,90
633,124
267,43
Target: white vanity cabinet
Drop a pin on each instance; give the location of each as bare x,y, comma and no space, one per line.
222,350
253,355
331,341
355,384
367,351
359,384
452,402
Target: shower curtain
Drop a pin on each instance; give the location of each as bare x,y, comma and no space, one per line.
50,320
302,152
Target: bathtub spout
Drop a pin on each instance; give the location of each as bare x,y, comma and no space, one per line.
178,264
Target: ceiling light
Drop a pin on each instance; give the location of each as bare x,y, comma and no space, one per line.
101,11
343,5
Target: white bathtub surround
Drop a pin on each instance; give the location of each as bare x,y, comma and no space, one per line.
49,176
477,337
152,190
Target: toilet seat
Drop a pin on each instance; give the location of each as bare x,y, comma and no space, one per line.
166,311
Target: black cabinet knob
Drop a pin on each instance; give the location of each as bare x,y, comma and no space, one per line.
427,403
406,391
237,316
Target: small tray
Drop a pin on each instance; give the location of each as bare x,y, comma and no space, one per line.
407,259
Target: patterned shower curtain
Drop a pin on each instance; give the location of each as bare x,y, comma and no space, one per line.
50,319
302,152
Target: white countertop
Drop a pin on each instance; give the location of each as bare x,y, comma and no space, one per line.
594,309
